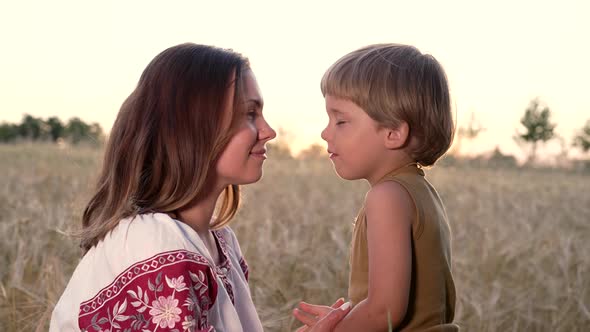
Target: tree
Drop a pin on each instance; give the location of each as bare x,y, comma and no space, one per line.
314,151
31,127
538,126
56,128
279,148
95,133
35,129
582,139
470,132
8,132
500,160
77,130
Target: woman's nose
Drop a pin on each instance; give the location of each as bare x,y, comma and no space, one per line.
266,132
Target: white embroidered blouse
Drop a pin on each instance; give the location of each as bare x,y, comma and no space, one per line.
152,273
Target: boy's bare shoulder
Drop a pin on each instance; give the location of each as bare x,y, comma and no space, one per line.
389,198
387,191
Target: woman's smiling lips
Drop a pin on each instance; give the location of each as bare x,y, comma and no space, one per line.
260,153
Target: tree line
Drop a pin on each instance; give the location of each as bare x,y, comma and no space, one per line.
51,129
537,128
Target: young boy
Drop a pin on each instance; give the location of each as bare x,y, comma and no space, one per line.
390,115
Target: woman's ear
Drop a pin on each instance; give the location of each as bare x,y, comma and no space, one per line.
397,138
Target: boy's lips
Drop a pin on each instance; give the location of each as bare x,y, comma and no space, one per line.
332,154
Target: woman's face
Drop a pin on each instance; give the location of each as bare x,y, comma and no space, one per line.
241,160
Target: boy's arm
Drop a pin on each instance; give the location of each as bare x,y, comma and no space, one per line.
389,211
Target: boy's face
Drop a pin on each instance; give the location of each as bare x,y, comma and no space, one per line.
355,143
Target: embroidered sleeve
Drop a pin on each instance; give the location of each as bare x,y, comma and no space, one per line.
173,291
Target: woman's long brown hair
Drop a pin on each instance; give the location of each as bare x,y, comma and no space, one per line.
163,145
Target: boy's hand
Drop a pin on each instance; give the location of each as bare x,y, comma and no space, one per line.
313,316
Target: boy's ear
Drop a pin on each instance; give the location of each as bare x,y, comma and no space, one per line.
398,137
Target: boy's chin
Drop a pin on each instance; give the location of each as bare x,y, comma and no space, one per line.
346,176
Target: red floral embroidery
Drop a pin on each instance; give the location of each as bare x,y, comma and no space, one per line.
223,269
178,288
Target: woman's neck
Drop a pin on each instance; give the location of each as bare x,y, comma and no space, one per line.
198,215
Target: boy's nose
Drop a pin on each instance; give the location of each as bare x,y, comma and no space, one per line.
324,134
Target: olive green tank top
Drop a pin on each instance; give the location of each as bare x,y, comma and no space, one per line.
431,304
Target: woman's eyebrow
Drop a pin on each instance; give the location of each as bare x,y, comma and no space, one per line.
258,102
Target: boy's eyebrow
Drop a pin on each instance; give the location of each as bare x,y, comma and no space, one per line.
335,110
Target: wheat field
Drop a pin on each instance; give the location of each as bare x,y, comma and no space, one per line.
521,257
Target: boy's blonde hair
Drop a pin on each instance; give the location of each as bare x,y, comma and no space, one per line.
396,83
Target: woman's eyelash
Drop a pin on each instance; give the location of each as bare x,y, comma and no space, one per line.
251,114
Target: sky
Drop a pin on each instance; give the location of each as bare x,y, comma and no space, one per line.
77,58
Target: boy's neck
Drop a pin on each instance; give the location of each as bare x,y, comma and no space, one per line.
394,162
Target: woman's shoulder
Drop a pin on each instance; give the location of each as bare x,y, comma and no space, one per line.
143,236
157,229
149,221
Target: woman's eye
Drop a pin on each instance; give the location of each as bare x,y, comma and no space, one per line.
251,115
340,122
